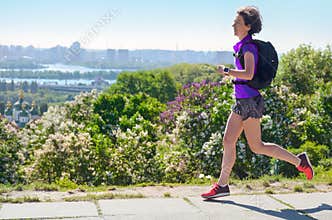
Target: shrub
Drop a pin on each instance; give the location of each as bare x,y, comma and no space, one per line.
11,158
64,143
316,154
159,84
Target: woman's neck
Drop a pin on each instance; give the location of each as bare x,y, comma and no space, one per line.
243,36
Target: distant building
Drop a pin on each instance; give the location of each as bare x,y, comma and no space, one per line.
21,113
74,53
111,55
123,56
100,82
223,57
9,112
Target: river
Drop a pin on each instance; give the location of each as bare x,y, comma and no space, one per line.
63,68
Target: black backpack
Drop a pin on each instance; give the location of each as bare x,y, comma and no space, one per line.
267,65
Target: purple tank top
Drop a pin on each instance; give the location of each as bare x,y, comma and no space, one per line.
242,91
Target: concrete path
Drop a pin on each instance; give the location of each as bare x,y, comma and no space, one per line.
249,207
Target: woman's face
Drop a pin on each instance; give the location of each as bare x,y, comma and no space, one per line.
240,29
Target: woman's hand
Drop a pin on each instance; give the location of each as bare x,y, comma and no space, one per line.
220,69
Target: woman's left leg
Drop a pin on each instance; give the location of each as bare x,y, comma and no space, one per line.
252,130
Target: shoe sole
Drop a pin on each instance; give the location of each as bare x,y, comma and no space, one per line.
313,173
217,195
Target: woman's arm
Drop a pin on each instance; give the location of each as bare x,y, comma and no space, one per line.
247,73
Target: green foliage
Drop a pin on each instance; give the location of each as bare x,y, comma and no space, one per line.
42,97
298,188
318,155
158,84
11,156
315,152
65,143
130,119
304,69
279,121
127,135
134,157
193,124
120,110
185,73
66,183
75,143
292,119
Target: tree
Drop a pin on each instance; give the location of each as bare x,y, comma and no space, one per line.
34,87
3,85
305,69
185,73
11,86
25,86
158,84
10,162
43,108
2,107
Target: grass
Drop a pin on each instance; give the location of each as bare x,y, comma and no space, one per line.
298,188
249,184
145,184
38,186
189,202
5,189
91,197
20,199
269,191
265,184
308,185
167,195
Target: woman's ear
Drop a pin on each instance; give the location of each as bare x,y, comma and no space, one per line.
248,26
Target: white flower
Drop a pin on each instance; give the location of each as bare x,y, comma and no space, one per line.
204,115
137,126
201,176
267,122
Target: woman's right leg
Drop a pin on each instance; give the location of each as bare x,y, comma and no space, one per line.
233,131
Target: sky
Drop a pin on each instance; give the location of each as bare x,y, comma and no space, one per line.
202,25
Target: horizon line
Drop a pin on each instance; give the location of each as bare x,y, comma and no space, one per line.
130,49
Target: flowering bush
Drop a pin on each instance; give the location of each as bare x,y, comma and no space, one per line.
11,157
131,122
82,141
194,123
127,135
292,119
134,157
64,143
279,119
318,155
119,110
158,83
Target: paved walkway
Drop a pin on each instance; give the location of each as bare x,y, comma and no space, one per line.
248,207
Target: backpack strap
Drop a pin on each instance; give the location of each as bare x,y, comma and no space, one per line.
239,82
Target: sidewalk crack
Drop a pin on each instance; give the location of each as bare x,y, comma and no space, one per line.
187,200
292,207
99,211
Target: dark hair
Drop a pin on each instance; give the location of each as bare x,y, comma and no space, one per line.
252,17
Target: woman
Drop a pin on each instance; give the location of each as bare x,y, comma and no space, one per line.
248,108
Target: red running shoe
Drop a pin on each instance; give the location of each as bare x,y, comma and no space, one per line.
216,191
305,165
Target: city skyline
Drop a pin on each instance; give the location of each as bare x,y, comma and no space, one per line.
165,25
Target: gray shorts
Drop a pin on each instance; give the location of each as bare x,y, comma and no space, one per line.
250,107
